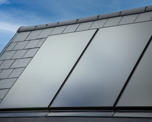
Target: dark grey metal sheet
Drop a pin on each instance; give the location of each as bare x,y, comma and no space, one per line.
133,114
74,119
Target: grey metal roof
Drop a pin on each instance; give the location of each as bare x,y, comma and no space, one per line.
27,41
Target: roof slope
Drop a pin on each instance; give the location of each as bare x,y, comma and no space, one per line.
28,40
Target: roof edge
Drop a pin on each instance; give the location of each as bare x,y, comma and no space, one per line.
86,19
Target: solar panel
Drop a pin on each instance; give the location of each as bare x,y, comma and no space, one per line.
48,69
138,91
103,70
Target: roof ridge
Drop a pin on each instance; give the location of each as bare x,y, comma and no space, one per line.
87,19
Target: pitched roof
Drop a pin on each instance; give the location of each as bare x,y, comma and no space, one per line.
27,41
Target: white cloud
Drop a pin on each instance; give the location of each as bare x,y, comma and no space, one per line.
11,22
4,2
10,27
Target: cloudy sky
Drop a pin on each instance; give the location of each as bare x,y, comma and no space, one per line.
15,13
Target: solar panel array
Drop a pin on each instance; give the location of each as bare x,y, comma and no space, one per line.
103,63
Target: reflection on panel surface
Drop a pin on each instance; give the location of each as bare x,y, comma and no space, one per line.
44,75
139,90
105,67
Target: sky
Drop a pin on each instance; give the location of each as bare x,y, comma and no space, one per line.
16,13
